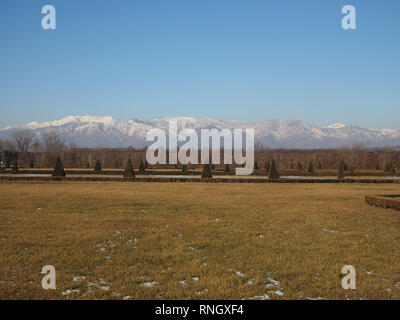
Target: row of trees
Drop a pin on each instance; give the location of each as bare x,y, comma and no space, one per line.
41,151
116,159
24,140
128,173
270,169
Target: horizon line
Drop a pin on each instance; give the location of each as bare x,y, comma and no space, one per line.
9,127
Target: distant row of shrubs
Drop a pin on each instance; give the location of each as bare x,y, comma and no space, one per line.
128,173
272,172
310,168
270,169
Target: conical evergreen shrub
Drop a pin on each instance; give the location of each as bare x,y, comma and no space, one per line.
206,171
378,167
31,164
97,167
142,168
388,167
59,168
227,168
184,168
273,171
341,170
129,172
267,167
15,167
255,165
310,167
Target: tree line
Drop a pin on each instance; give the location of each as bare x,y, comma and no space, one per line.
25,140
43,153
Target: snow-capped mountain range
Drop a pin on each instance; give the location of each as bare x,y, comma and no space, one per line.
92,131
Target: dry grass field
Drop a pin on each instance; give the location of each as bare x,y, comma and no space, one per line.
196,241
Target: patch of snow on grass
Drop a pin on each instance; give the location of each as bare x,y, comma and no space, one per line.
182,282
273,283
149,284
68,292
330,231
278,293
263,297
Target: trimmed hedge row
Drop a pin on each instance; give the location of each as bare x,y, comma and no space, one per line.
203,180
384,201
260,172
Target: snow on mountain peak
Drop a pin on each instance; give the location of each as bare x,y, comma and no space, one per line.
337,126
104,131
86,119
179,119
72,120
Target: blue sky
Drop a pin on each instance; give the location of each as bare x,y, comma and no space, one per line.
246,60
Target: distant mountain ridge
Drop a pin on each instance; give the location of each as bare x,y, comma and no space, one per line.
95,131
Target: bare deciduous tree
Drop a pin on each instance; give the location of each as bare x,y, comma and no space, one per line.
53,142
23,139
259,147
9,145
36,146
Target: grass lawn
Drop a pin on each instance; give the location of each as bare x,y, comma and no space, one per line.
196,240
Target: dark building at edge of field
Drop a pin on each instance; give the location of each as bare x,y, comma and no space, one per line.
8,158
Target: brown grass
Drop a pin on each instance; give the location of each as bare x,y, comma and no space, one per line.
207,231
